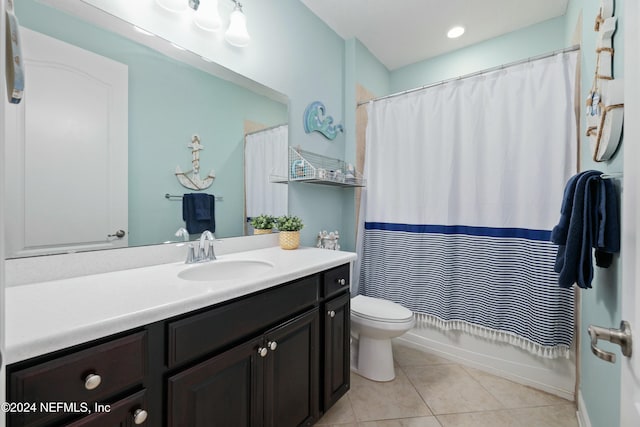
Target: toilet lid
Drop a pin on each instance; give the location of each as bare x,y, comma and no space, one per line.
379,309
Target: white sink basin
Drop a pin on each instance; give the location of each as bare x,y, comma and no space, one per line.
226,270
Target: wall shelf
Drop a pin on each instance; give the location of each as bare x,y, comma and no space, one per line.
312,168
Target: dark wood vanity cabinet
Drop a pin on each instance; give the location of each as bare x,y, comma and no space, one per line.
276,358
337,338
336,332
222,391
271,380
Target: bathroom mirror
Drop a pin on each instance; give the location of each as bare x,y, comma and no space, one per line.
171,95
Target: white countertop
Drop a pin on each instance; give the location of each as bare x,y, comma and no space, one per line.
48,316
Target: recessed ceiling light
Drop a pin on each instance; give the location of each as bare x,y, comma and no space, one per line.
455,32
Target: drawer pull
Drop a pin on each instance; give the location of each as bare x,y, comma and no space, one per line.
92,381
140,416
272,345
341,282
262,351
331,314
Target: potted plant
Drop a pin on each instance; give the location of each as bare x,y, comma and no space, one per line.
263,224
289,227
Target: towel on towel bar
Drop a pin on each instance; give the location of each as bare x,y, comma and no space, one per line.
198,212
589,220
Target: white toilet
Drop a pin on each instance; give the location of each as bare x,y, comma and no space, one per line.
374,322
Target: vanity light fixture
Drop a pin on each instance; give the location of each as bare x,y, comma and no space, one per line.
237,34
207,17
173,5
455,32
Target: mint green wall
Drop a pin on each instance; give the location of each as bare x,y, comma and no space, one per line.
168,102
361,68
531,41
599,380
295,53
571,21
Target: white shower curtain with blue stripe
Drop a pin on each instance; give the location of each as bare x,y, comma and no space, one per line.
464,184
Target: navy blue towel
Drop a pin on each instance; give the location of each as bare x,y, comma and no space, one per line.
198,212
589,220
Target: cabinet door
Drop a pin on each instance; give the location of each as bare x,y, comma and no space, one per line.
224,391
337,336
291,389
124,413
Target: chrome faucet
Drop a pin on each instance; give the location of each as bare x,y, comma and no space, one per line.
182,232
204,252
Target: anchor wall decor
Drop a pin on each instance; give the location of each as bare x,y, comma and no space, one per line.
191,179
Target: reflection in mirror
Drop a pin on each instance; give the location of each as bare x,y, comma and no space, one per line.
265,157
63,170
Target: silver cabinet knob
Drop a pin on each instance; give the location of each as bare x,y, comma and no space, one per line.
331,314
140,416
262,351
92,381
272,345
342,282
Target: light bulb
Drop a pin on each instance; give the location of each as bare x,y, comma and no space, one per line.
237,34
173,5
207,16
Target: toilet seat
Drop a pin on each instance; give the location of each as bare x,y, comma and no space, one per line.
376,309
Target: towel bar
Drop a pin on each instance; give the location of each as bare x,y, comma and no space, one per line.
179,196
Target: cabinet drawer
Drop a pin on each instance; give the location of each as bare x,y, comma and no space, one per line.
335,280
124,412
212,330
120,364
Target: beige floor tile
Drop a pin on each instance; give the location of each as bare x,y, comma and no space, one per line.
546,416
449,389
373,400
408,356
513,395
478,419
404,422
340,413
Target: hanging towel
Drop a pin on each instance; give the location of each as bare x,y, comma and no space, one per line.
588,220
198,212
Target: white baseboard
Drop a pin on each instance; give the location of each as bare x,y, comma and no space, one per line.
583,414
555,376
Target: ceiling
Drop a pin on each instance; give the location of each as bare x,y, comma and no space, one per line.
402,32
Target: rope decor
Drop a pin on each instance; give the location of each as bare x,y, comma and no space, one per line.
606,93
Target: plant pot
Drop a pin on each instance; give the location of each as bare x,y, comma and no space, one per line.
262,230
289,239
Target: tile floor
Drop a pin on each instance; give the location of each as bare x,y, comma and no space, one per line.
430,391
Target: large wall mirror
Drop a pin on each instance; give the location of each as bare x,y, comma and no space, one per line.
107,117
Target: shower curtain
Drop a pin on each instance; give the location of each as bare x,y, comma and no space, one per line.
464,184
265,154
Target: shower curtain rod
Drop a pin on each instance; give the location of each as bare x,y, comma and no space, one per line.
477,73
269,128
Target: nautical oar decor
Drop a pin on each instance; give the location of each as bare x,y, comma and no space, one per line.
191,179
